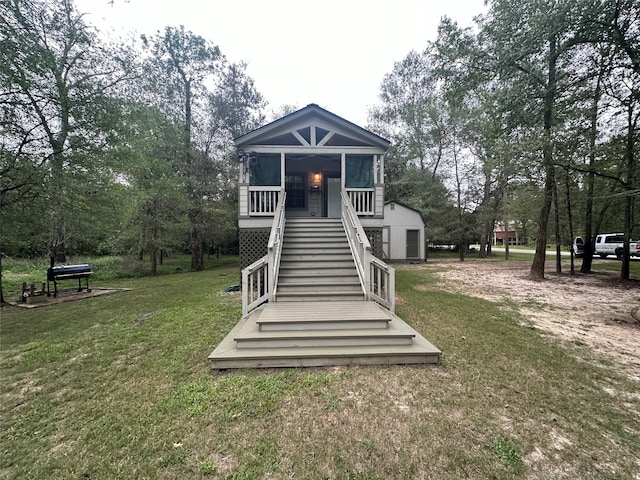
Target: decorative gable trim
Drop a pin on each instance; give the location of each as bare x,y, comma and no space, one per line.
312,126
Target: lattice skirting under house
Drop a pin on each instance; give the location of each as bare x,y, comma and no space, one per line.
375,239
253,245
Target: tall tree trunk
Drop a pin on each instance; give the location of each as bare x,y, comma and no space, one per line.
154,260
505,228
556,208
195,208
628,210
1,289
486,201
57,234
537,267
153,248
197,257
589,237
570,218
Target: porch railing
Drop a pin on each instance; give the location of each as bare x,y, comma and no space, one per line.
363,200
264,200
376,277
259,280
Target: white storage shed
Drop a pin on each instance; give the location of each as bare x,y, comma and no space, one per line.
402,233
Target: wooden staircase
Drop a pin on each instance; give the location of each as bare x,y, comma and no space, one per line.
316,263
320,316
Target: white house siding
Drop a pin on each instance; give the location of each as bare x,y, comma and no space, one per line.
399,219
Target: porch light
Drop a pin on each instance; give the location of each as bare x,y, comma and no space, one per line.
316,177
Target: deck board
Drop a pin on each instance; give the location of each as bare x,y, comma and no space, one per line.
321,311
228,355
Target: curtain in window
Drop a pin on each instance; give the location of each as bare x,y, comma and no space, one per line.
265,170
359,171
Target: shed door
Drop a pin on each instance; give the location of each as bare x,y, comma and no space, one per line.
413,243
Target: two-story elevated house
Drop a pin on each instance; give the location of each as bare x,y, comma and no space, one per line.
311,211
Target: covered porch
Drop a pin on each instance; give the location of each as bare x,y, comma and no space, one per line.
313,156
313,183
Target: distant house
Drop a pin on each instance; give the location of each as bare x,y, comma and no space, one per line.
402,234
502,235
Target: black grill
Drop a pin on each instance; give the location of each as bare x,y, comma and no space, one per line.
68,272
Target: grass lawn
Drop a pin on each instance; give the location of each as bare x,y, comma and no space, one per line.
118,386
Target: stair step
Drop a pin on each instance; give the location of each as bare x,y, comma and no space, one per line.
311,257
342,338
315,324
337,228
315,232
316,250
297,266
282,315
335,313
311,288
334,296
308,279
314,221
306,242
340,272
303,239
350,279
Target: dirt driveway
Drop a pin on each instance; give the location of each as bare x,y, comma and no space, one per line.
596,310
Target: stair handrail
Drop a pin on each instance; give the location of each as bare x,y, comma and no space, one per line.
274,247
255,285
358,241
376,277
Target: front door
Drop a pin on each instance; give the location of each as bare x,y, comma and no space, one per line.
334,209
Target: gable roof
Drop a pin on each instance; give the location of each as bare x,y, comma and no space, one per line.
388,202
312,126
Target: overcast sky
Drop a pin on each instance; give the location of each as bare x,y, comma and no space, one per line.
334,53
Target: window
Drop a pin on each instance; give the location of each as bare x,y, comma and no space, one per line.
295,186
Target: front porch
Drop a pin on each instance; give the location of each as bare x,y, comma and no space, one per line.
313,156
313,184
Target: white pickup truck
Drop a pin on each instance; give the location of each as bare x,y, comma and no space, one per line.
612,244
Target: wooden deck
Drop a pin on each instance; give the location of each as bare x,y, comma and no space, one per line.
320,315
304,334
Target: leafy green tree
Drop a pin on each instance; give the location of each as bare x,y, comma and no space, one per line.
427,125
149,154
533,46
411,112
55,78
180,66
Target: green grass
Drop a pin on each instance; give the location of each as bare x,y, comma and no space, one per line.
119,386
105,268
